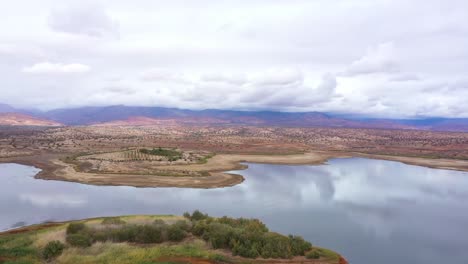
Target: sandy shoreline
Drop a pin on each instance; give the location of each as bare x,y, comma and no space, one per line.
52,168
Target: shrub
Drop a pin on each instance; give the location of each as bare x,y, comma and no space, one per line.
79,240
159,223
299,246
124,234
113,221
102,235
74,228
219,235
199,228
176,233
184,225
52,250
313,255
220,258
149,234
276,246
197,216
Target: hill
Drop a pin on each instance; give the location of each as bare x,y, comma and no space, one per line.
120,115
127,115
17,119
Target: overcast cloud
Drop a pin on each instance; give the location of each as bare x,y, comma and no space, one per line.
389,58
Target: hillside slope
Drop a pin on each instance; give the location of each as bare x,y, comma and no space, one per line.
17,119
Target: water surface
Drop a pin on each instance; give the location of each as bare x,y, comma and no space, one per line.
371,211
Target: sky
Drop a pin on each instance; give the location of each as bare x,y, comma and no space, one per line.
381,58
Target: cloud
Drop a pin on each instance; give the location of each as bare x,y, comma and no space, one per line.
380,59
53,200
160,74
275,88
240,55
278,77
234,79
84,19
57,68
8,49
404,77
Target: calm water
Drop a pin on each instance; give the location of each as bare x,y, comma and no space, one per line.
372,211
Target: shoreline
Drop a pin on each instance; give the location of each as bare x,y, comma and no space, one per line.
52,168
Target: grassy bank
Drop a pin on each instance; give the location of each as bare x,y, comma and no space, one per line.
195,238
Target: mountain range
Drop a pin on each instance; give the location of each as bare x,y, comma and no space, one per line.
137,115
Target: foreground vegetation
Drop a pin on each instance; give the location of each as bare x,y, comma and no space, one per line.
156,239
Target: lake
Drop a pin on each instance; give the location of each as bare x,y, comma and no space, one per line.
371,211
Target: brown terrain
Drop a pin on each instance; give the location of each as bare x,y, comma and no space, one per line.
16,119
102,155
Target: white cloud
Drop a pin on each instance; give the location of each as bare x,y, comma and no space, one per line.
83,19
380,59
161,74
295,55
230,78
53,200
57,68
278,77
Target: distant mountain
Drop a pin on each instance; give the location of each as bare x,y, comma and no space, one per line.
17,119
4,108
140,116
128,115
439,124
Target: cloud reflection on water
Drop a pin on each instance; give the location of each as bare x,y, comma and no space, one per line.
363,208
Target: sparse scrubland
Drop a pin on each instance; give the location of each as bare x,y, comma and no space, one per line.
197,156
193,238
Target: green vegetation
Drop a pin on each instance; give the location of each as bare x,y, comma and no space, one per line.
248,238
113,221
17,246
53,249
171,154
74,228
155,239
324,253
80,240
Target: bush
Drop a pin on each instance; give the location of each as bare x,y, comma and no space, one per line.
149,234
276,246
184,225
160,223
113,221
197,216
299,246
199,228
79,240
176,233
313,255
52,250
124,234
74,228
219,235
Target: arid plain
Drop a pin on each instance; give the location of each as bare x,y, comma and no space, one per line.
110,155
